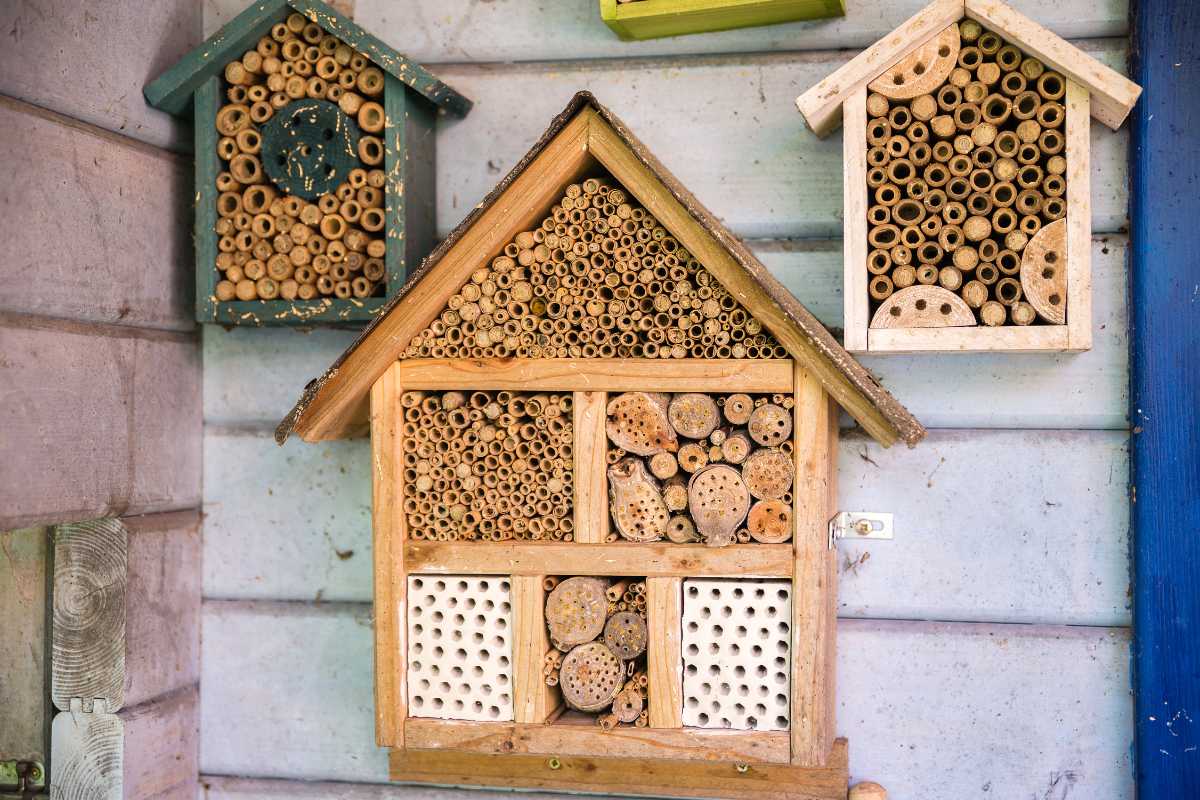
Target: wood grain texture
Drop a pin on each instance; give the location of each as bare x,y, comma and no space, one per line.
95,225
25,574
600,374
590,448
978,339
107,55
681,17
856,314
1079,218
664,657
107,421
533,700
221,787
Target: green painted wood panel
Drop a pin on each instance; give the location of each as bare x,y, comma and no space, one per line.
207,101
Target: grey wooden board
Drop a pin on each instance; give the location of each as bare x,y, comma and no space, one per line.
90,61
725,126
1008,706
24,680
440,31
293,523
252,377
106,421
220,787
95,225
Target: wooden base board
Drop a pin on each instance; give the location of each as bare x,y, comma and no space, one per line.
1005,339
632,776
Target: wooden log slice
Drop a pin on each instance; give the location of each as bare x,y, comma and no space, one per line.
770,425
638,511
718,501
693,415
1044,272
923,70
923,306
626,635
575,612
768,473
590,677
637,422
738,408
675,495
681,529
627,706
736,447
770,521
664,465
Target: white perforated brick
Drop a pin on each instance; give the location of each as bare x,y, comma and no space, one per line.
736,666
460,647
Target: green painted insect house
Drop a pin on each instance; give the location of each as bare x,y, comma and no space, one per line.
314,165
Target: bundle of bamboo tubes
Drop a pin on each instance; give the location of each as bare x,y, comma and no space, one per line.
598,628
272,245
599,277
705,468
960,180
488,466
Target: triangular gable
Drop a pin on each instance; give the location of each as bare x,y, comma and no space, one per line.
172,91
1112,94
586,133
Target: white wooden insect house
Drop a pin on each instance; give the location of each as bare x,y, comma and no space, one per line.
604,459
967,200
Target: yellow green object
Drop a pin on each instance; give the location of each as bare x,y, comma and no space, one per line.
653,19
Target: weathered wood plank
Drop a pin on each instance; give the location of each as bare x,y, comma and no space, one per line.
25,687
303,694
439,31
106,419
220,787
95,225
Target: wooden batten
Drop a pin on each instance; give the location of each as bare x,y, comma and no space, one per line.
664,597
533,700
1079,218
591,490
856,308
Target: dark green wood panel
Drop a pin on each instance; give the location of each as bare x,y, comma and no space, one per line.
208,99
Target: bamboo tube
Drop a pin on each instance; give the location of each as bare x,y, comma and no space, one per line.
1022,313
992,313
975,294
902,278
880,287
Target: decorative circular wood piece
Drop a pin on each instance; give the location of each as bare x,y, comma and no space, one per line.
718,501
770,521
923,306
693,415
590,677
625,634
768,473
637,422
923,70
770,425
738,408
309,147
867,790
575,611
1044,272
628,706
638,511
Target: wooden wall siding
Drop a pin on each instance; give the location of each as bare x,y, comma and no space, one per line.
89,60
95,225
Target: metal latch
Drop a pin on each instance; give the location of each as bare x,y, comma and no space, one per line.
860,525
21,776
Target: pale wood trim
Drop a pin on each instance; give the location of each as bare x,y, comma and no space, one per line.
337,409
664,659
814,618
391,583
600,374
752,747
1113,95
822,104
591,485
615,155
1079,218
856,308
1005,339
533,700
570,558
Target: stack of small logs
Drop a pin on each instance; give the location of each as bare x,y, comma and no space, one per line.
725,465
599,637
967,184
488,466
274,245
599,277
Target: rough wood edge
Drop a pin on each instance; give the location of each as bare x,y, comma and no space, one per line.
599,374
664,659
533,700
206,102
591,486
856,308
1079,218
1007,339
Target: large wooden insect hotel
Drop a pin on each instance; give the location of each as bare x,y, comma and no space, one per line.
314,165
967,200
603,454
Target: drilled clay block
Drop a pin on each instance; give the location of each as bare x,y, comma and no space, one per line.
770,425
590,677
575,612
625,634
923,306
692,457
638,510
770,521
923,70
736,447
768,473
718,501
628,706
637,422
1044,272
738,408
681,530
693,415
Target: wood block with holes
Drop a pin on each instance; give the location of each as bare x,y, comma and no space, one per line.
968,219
600,437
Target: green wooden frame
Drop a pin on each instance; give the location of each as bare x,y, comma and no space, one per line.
652,19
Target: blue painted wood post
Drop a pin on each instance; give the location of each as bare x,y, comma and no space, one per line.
1165,397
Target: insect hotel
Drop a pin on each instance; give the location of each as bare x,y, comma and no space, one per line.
604,458
314,165
967,202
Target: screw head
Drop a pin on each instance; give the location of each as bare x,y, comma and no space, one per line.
554,763
35,772
742,768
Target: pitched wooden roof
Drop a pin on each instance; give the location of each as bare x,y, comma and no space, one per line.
335,404
172,91
1112,94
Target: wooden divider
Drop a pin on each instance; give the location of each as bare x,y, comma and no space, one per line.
665,657
533,700
591,489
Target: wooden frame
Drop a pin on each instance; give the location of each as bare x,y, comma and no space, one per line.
652,19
